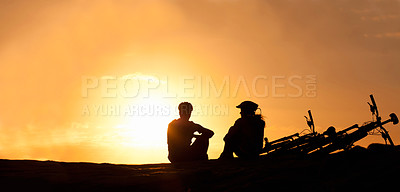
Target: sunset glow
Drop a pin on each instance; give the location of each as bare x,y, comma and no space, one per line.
99,81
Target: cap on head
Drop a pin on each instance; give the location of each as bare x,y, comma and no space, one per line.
248,105
185,107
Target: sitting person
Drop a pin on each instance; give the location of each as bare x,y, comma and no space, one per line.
180,134
245,137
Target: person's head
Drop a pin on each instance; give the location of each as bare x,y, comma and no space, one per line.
185,110
247,108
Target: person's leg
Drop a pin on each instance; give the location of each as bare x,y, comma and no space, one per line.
232,145
199,148
227,153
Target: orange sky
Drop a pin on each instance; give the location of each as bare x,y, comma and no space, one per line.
48,49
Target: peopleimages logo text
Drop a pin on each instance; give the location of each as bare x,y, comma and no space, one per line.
144,86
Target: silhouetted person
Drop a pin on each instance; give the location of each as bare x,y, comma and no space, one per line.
245,137
180,134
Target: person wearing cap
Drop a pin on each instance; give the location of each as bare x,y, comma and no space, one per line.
180,134
245,137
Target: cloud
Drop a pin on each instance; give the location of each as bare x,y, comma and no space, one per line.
390,35
384,17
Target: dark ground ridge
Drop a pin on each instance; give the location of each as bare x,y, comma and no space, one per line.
356,170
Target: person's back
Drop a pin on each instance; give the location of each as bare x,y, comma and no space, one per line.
245,137
179,137
250,133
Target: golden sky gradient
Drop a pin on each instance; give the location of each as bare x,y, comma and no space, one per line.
53,52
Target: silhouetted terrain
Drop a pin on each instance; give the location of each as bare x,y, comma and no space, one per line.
346,171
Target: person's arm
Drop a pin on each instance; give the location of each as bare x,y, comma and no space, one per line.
260,136
204,131
233,131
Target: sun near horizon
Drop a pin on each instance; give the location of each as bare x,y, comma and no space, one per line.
100,81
